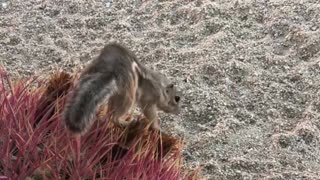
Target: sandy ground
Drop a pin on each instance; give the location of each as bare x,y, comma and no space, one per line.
249,71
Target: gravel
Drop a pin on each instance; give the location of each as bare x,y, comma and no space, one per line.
249,71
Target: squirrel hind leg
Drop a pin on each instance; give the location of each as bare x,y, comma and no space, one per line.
124,102
120,106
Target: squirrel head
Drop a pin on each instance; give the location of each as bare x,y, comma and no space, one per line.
171,100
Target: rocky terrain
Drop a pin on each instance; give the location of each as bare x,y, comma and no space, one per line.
249,71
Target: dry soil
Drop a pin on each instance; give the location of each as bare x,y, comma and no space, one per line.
249,71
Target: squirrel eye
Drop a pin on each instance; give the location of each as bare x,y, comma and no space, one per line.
177,98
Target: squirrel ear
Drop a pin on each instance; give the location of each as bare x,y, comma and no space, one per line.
170,86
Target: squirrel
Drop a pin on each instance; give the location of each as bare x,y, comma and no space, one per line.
118,78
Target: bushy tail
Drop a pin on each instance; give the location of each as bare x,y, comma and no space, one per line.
88,94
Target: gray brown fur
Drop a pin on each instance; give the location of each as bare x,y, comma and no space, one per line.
117,77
